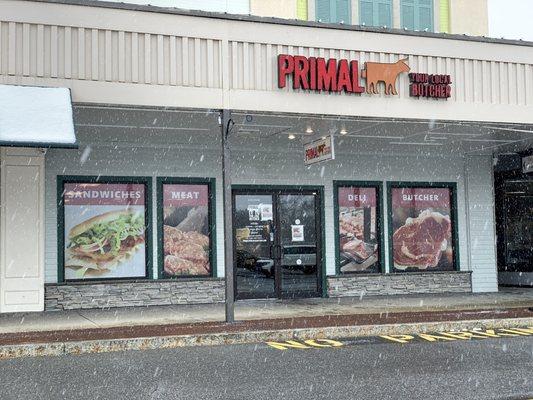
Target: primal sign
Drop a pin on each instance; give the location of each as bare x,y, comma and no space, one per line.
332,75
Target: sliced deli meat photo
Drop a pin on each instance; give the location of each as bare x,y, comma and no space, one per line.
352,225
357,248
175,265
186,253
421,241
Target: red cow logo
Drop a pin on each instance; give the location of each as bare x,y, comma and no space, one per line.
383,72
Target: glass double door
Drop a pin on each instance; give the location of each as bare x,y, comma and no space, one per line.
277,250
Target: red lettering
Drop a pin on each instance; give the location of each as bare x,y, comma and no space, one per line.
356,86
312,73
285,67
343,80
301,70
326,74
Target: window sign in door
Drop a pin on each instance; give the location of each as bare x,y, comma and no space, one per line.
254,237
104,230
422,227
186,230
297,233
255,228
359,234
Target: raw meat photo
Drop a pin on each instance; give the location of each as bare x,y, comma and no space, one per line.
421,242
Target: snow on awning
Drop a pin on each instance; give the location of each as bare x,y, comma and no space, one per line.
36,117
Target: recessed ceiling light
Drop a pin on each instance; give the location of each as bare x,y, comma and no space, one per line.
291,136
309,130
343,131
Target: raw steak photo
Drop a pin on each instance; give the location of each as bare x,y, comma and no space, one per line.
421,241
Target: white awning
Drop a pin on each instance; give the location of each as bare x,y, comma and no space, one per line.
36,117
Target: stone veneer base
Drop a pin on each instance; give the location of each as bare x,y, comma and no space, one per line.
129,294
205,291
399,284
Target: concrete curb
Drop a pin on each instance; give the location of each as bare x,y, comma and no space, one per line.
214,339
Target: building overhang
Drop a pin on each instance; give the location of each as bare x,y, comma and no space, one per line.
122,54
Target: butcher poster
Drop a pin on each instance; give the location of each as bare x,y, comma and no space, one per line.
358,230
186,240
422,229
104,230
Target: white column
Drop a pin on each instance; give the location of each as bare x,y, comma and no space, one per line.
396,14
481,223
21,230
355,12
311,10
436,16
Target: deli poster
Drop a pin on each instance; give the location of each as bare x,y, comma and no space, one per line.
186,240
104,230
358,230
422,229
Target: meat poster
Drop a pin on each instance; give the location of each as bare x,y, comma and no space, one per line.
186,240
104,230
358,231
422,229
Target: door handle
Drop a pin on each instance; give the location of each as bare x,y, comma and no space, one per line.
277,252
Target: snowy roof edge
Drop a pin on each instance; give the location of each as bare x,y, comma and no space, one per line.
34,116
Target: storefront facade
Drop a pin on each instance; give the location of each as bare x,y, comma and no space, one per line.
135,214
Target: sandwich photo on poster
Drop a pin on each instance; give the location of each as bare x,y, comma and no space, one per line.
358,230
186,240
422,229
104,230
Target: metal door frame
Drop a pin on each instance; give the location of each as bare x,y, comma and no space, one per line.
275,191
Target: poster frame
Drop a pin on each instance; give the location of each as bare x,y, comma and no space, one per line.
211,218
452,186
146,181
378,185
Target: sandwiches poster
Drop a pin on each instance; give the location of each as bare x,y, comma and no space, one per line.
104,230
358,241
422,229
186,241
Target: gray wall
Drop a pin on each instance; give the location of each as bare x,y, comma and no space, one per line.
275,160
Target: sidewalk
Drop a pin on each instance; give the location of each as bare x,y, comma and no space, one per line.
259,319
249,310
